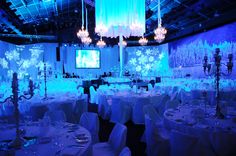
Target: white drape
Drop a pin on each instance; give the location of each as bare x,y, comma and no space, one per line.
119,15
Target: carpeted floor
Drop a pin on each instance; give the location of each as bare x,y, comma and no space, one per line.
134,134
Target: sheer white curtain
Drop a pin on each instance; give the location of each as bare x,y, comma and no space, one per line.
118,15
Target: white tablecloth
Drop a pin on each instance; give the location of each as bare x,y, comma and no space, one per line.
49,140
200,121
77,103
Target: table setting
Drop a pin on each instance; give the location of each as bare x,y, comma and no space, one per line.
46,138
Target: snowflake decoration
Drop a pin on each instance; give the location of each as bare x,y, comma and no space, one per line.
133,61
147,67
148,52
143,59
151,59
4,63
35,53
138,53
12,55
15,63
138,68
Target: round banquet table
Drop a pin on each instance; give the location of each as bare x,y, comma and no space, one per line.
132,97
70,104
200,121
63,139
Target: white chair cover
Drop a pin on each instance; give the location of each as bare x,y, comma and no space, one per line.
183,145
104,109
56,116
67,108
172,104
156,139
115,144
150,111
161,107
93,95
90,121
117,138
80,107
223,143
134,88
81,90
120,111
138,114
125,152
37,112
150,87
186,97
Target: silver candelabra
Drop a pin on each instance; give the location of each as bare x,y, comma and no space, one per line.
18,142
217,73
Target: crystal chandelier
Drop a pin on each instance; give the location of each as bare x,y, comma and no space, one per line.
86,40
124,43
143,41
101,43
82,33
160,31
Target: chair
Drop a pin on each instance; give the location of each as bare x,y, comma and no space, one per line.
67,108
172,104
115,144
138,114
104,109
80,90
79,108
183,144
186,97
90,121
150,111
157,138
125,152
150,87
134,88
120,111
93,95
37,112
56,116
161,107
223,143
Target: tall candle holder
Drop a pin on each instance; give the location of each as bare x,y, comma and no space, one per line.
18,142
45,82
217,73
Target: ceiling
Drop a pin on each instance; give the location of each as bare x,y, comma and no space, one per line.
31,21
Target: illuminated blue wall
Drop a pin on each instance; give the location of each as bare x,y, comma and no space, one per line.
189,52
148,60
109,59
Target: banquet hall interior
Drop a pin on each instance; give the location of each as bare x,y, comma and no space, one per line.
117,77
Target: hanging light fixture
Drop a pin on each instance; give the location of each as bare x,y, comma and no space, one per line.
124,43
160,31
82,33
86,40
101,43
143,41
